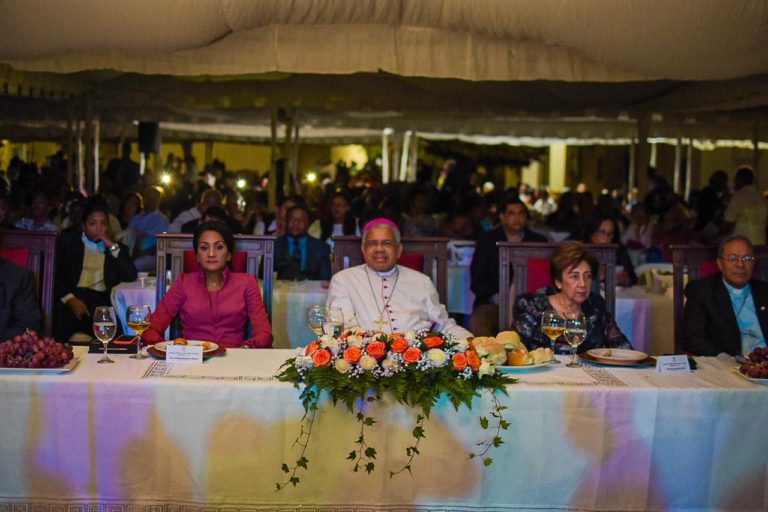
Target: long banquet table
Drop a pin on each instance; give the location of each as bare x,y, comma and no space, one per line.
147,436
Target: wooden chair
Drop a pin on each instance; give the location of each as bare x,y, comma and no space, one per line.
522,263
434,250
691,262
37,252
259,251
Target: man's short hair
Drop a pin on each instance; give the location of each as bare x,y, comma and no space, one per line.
744,175
510,200
733,238
296,207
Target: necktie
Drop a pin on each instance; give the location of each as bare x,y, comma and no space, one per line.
296,256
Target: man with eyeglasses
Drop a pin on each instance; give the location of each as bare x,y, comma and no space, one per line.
728,311
381,295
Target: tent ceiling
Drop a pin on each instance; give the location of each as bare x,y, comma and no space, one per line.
456,66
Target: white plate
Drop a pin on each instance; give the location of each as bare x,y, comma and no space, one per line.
618,354
510,369
764,382
161,346
42,371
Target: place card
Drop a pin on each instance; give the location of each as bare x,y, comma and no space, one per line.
673,364
184,354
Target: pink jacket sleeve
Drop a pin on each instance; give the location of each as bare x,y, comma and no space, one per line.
165,312
257,314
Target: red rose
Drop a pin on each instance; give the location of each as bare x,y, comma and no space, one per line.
412,355
459,361
311,348
321,357
352,355
434,342
399,345
377,349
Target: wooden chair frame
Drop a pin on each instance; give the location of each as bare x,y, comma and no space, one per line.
42,263
513,261
687,259
260,251
347,253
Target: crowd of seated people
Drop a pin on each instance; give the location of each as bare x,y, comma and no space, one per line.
449,203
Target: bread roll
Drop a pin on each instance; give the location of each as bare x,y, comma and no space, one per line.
489,349
510,340
518,357
541,355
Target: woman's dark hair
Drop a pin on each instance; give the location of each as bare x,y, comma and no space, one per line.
567,256
326,223
219,227
95,204
593,224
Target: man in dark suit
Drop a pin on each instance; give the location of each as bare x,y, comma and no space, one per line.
298,255
18,307
484,270
88,265
727,311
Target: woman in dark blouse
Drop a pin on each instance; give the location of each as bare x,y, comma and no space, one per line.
572,269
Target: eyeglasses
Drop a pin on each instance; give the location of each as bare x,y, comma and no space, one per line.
386,244
733,259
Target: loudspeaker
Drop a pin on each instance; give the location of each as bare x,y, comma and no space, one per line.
149,138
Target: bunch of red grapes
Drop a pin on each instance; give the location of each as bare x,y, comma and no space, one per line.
756,365
29,351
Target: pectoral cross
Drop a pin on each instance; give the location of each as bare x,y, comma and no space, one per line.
381,323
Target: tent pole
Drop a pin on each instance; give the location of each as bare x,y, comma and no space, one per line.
385,155
272,200
405,155
642,153
688,170
756,152
678,165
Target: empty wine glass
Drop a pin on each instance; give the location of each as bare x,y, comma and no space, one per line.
104,328
137,318
315,318
333,323
575,332
553,326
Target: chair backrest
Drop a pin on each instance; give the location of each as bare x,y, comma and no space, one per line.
434,251
695,262
259,251
37,252
524,267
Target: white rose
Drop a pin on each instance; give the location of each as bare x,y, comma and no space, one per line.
486,368
304,362
355,341
462,345
368,363
330,343
410,337
436,357
390,364
342,366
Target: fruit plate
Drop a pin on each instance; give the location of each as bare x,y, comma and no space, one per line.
160,354
648,361
521,368
42,371
617,355
763,382
190,343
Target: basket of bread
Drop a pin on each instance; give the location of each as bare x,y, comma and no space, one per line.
505,350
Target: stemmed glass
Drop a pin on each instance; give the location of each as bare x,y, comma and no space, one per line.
553,326
137,318
315,318
575,332
104,328
333,323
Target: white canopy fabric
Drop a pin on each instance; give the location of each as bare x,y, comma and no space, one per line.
481,68
508,40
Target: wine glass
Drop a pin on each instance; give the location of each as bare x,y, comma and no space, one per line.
315,318
137,318
575,332
104,328
553,326
333,323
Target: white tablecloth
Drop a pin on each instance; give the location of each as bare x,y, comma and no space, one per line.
138,435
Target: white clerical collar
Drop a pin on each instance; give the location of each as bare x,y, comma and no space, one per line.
733,290
388,273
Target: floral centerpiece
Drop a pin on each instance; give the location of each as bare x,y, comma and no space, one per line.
416,368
